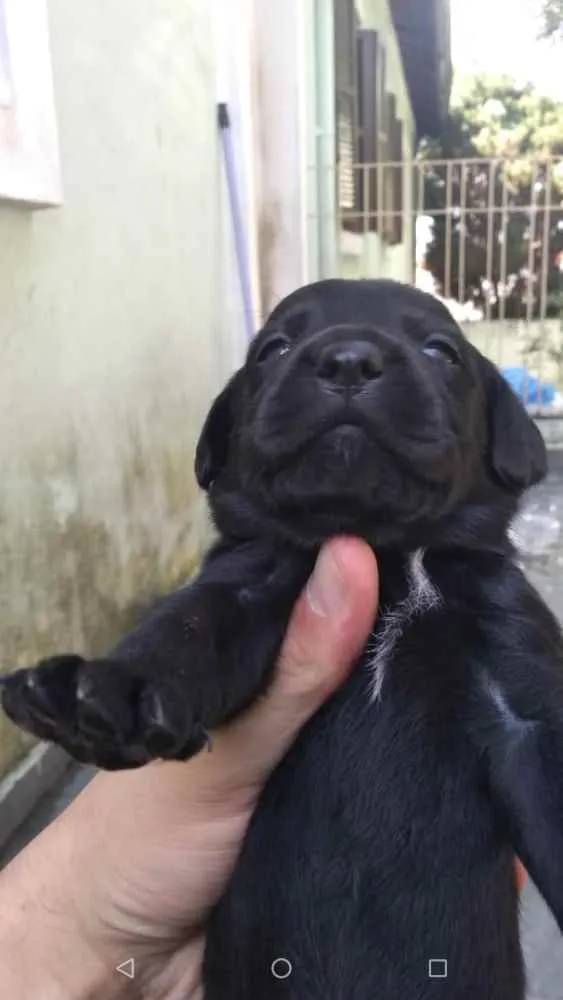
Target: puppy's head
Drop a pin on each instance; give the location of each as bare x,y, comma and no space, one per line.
362,408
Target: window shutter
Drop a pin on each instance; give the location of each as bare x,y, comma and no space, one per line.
345,86
383,163
369,135
368,122
396,182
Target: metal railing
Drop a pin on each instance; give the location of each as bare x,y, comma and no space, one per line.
486,236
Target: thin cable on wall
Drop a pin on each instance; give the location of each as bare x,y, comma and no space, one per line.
239,229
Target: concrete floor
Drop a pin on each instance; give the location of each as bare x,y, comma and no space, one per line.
539,533
539,536
50,806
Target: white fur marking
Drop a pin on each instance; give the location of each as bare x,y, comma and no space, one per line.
513,723
422,596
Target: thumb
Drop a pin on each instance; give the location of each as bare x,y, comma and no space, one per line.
328,629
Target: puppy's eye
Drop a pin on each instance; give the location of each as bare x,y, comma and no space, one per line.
438,347
275,347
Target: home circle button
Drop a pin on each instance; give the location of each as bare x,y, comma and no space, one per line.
281,968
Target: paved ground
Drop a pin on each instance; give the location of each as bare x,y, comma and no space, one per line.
51,805
540,534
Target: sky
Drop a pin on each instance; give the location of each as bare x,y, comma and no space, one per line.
500,36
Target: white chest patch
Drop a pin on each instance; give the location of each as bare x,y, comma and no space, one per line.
422,596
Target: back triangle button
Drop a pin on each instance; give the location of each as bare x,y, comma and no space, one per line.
127,968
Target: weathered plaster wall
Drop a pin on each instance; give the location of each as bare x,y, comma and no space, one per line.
117,316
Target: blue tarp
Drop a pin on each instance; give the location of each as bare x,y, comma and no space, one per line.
529,388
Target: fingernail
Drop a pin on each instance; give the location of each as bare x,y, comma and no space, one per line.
327,589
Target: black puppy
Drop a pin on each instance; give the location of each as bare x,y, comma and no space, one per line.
385,839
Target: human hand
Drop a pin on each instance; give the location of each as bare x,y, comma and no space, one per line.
136,863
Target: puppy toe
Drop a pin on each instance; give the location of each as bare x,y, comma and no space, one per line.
15,704
165,724
105,702
41,699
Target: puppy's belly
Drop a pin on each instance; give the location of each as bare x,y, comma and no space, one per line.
373,851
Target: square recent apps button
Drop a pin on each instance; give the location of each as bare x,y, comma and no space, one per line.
438,968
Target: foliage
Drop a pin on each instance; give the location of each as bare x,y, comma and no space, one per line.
506,224
552,19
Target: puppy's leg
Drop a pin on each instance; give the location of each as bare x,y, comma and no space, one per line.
199,658
519,731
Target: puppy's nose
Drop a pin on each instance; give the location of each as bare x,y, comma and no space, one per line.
350,364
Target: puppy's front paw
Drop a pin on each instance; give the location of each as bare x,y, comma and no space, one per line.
103,712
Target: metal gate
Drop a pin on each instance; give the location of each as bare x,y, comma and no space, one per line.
486,236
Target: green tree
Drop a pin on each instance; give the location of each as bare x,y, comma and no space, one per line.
552,19
503,231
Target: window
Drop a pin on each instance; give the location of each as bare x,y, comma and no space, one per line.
369,132
29,160
346,101
6,93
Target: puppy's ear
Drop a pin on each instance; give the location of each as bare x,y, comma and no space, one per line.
517,454
213,445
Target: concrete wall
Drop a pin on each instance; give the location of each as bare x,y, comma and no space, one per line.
282,100
119,318
538,346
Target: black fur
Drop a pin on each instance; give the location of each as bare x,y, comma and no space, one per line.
386,837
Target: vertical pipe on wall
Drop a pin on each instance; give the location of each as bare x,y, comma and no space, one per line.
242,252
233,26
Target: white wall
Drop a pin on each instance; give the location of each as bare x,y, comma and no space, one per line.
280,87
295,180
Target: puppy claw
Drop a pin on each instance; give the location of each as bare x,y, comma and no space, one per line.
205,736
161,743
154,715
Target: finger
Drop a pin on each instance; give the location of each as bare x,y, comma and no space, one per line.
330,625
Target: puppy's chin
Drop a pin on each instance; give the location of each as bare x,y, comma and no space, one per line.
338,455
334,464
346,478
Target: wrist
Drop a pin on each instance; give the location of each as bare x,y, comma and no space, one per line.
44,950
50,946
